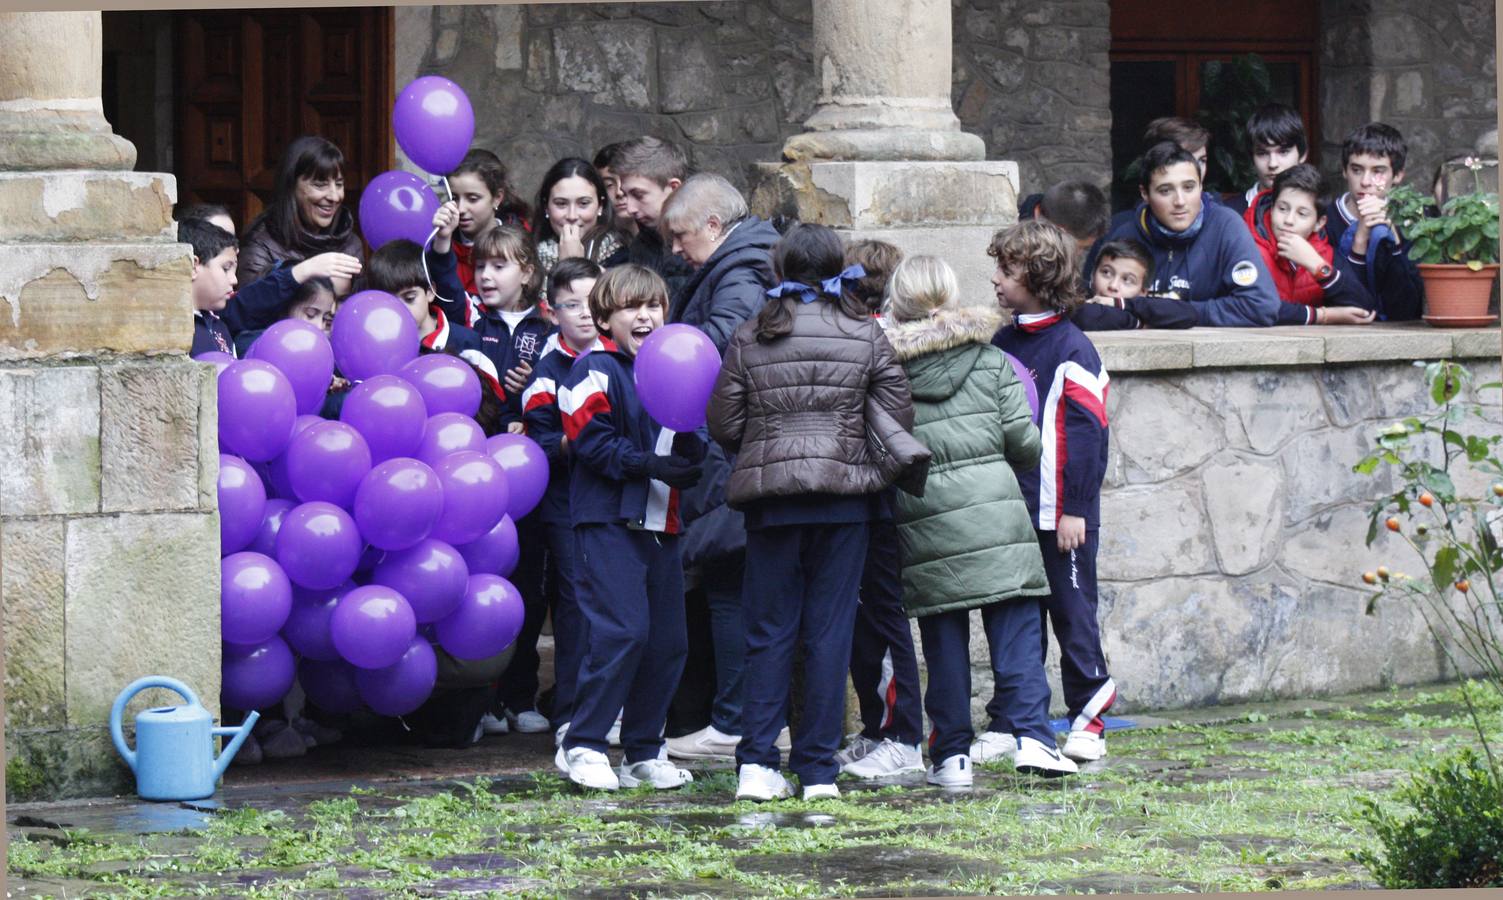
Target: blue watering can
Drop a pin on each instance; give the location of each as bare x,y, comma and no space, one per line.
174,755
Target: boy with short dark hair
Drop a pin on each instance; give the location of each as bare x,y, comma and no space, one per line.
1316,286
215,255
397,269
1372,162
1116,299
629,585
647,171
1276,141
1080,208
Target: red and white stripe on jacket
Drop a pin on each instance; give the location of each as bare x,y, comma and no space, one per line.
543,391
1072,381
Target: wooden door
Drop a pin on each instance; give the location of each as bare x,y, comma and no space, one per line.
251,81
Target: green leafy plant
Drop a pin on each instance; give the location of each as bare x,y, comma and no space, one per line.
1230,92
1464,233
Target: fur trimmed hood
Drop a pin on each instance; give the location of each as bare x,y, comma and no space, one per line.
947,329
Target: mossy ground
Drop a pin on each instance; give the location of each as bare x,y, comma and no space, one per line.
1266,800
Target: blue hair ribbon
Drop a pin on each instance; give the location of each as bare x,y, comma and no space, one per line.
807,294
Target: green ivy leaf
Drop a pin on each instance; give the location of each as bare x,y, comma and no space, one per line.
1443,569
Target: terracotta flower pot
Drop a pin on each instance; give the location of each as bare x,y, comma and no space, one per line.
1457,292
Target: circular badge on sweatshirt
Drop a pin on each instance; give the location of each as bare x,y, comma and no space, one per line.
1244,274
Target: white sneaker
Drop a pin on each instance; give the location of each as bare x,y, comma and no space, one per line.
953,772
1035,758
784,743
856,747
992,745
587,768
761,783
558,736
1084,746
661,774
527,722
494,724
316,734
889,759
821,792
708,742
613,737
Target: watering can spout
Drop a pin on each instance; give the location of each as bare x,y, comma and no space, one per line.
237,737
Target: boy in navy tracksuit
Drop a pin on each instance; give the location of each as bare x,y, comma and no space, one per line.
1372,162
629,579
1202,253
569,287
397,269
214,258
1064,492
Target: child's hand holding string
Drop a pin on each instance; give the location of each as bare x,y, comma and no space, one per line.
446,220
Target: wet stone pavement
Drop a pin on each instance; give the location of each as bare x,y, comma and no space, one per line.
1249,798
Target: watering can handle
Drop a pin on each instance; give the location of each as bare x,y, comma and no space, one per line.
117,712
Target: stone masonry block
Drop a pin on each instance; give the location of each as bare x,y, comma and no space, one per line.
149,440
1318,469
1272,405
142,599
49,440
1244,504
1236,347
1161,430
208,437
1154,531
31,591
86,206
1480,343
613,62
898,194
1355,344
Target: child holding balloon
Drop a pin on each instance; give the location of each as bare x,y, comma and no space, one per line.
623,498
483,198
807,482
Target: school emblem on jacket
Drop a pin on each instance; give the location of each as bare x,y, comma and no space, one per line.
1244,273
527,346
1178,284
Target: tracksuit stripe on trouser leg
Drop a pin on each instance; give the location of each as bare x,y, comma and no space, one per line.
1071,608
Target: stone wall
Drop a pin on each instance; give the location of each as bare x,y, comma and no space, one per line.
1232,524
732,80
1429,71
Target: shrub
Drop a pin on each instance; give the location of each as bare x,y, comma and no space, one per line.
1454,838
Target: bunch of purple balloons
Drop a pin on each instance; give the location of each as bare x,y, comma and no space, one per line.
339,538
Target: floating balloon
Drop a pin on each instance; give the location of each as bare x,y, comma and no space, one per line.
496,553
448,433
307,630
318,545
487,620
302,352
326,461
475,496
431,576
254,597
397,205
330,685
372,626
256,409
675,372
402,687
389,413
278,480
446,383
1029,387
373,334
526,468
434,123
242,503
256,675
398,503
265,540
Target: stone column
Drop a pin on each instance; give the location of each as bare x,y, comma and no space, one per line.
108,458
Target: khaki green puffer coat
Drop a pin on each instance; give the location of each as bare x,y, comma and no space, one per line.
968,542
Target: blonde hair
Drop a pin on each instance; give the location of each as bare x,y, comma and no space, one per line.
511,243
919,286
623,287
1044,257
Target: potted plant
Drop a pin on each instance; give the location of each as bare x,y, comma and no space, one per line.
1456,251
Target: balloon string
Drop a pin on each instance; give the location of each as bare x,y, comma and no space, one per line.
427,244
449,190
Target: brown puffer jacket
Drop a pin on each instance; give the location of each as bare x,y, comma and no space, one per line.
794,408
260,251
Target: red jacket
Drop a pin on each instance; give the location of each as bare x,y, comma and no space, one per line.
1294,283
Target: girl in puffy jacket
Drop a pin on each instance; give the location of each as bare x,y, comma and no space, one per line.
968,543
792,401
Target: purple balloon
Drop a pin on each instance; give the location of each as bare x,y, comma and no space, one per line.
398,503
372,626
373,334
448,433
431,576
271,522
475,496
242,503
446,383
675,372
256,675
389,413
330,684
278,479
526,468
318,545
397,205
1029,387
219,358
302,352
307,628
256,409
402,687
326,462
434,123
496,553
254,597
488,619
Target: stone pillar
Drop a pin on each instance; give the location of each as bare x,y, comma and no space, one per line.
884,156
108,457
